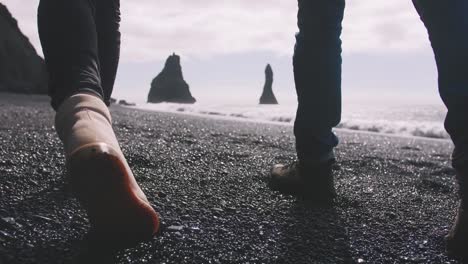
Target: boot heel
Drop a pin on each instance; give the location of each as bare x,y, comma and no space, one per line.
101,180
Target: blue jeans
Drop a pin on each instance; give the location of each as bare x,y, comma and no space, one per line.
81,44
317,70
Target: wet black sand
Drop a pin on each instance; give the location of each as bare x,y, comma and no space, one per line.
207,178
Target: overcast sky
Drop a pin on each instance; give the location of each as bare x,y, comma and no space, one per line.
225,45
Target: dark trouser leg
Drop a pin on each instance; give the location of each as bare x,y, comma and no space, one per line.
69,37
447,24
108,24
317,72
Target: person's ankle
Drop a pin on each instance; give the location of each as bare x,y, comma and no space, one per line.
84,119
79,102
324,158
87,91
460,159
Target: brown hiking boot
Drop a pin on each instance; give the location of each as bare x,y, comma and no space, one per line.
457,239
312,181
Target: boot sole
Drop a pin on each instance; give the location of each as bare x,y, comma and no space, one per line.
456,248
101,181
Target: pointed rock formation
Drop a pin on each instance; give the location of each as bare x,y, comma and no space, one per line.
169,85
267,96
21,69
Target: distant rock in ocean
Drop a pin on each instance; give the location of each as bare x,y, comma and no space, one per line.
267,96
169,85
125,103
21,68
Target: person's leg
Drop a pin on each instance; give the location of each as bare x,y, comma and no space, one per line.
317,72
98,171
447,25
108,24
69,42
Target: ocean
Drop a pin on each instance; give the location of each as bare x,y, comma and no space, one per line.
397,118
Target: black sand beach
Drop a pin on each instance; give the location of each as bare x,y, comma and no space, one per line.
207,179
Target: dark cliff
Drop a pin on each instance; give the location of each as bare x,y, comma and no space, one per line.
21,68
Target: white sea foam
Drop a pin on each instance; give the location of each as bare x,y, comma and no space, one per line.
408,120
406,128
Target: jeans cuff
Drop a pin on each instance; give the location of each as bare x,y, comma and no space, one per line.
321,158
459,158
90,91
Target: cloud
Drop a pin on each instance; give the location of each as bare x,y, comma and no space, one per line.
207,27
376,26
204,28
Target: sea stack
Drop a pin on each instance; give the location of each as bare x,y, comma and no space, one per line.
267,96
21,68
169,85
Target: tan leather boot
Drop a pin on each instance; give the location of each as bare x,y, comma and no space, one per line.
99,174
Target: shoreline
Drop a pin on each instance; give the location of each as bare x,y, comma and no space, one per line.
241,119
279,123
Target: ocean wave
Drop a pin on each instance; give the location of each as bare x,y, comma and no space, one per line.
286,115
413,128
